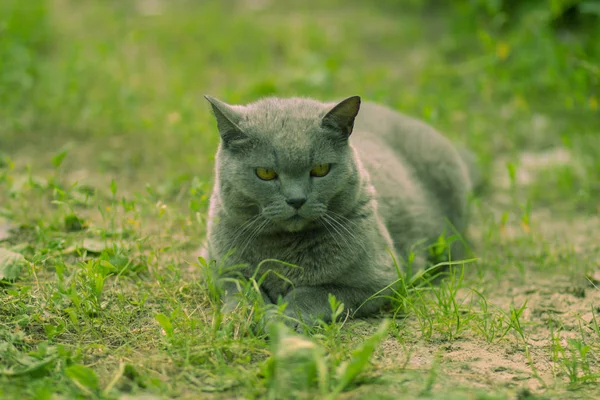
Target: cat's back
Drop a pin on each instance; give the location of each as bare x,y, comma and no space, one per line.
409,160
380,130
402,134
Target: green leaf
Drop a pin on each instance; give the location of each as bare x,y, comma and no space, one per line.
165,323
10,264
99,284
113,187
58,159
512,172
131,373
360,358
82,376
33,369
54,330
73,223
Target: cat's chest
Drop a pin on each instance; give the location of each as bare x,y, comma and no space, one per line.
310,250
304,258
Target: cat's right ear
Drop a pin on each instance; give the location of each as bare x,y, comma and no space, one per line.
227,122
341,117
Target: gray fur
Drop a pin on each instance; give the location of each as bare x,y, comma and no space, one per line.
394,182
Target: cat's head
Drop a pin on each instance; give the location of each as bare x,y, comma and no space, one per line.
286,162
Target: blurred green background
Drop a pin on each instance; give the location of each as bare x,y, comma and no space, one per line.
121,82
106,154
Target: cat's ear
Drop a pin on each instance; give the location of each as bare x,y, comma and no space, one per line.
227,121
341,117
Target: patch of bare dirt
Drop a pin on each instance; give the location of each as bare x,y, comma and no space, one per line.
559,259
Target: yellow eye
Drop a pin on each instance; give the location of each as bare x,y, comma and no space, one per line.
320,170
266,174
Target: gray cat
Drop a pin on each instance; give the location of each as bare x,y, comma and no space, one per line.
292,184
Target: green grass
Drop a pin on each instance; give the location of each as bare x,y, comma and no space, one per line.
106,154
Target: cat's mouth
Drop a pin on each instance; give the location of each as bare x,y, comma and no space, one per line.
296,220
296,223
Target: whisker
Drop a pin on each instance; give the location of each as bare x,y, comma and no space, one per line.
334,225
343,218
245,227
325,225
255,232
250,232
352,235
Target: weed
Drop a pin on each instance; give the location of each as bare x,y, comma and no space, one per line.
299,365
490,323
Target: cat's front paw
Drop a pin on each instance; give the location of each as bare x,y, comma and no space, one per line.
298,319
274,314
306,308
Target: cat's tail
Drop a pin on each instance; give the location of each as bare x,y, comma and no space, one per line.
474,169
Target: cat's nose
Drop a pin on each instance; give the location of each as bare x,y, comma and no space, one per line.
296,202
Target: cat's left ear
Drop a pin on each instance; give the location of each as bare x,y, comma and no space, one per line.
341,117
227,121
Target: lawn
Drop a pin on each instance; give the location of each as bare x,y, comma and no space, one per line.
106,155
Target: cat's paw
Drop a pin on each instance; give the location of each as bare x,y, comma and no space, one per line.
290,319
306,308
296,322
300,319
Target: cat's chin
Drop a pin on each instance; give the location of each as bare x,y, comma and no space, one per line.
295,224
